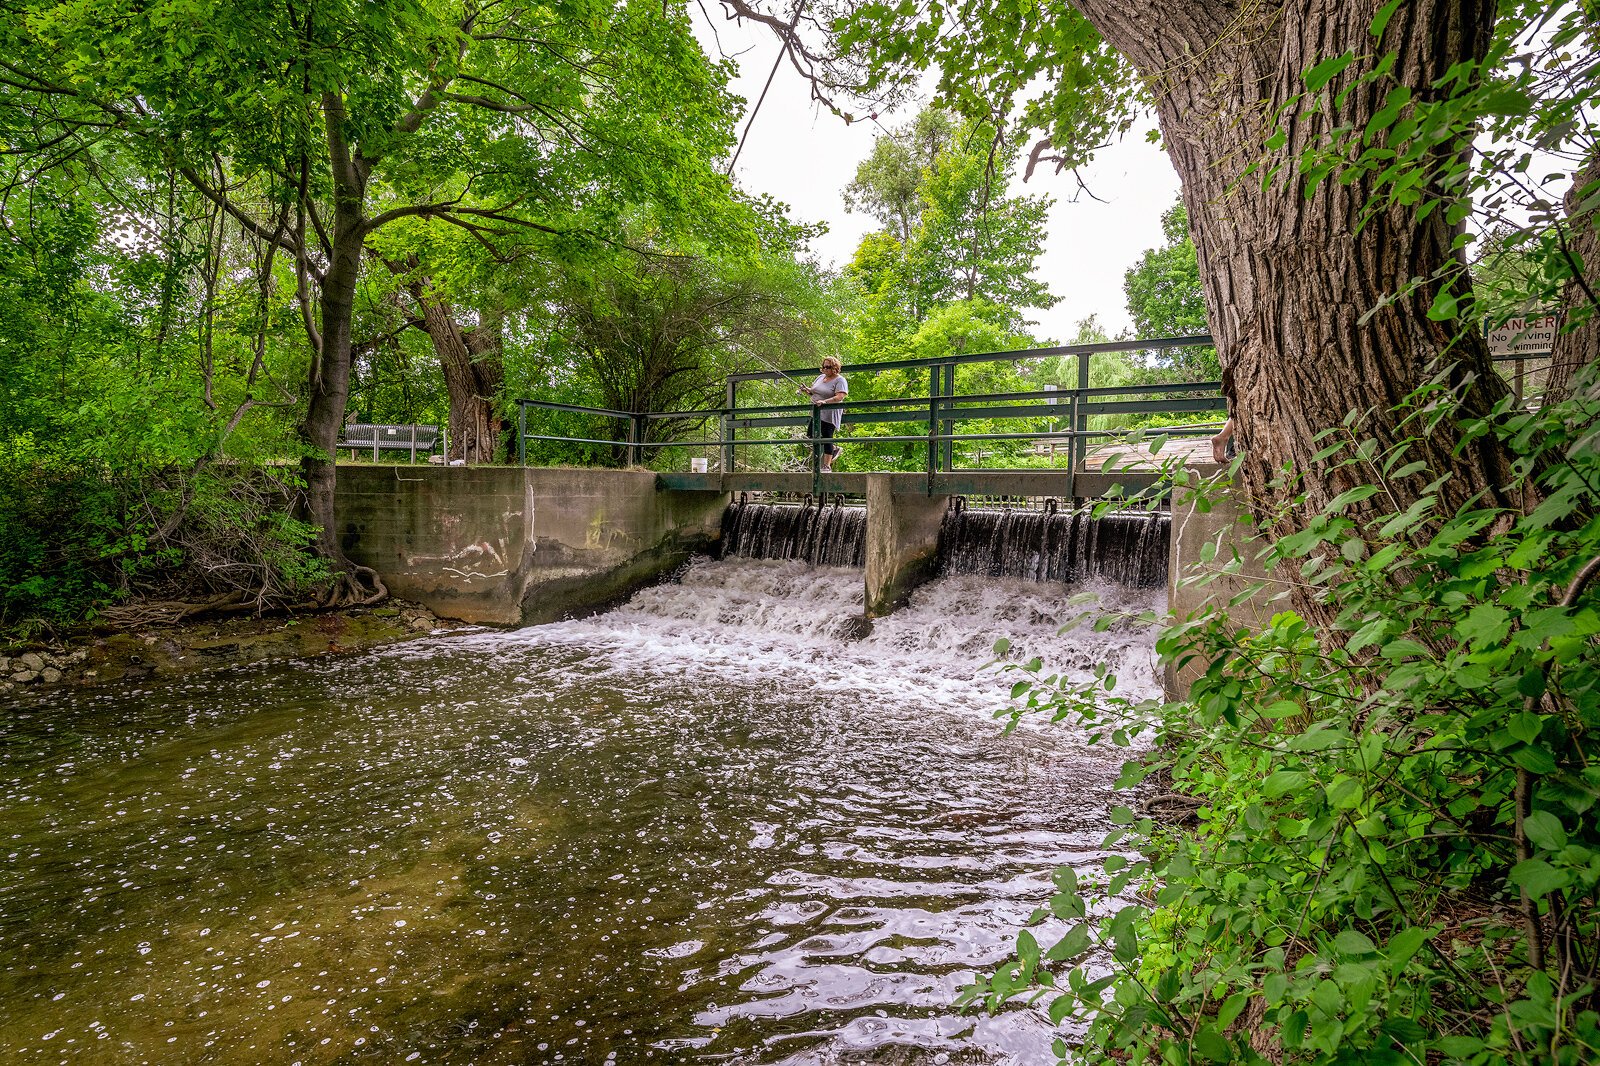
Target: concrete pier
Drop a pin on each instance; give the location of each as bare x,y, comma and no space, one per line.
512,545
1225,524
902,539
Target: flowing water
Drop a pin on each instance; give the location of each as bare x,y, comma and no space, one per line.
1128,547
698,828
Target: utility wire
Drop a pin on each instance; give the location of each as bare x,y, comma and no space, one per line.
783,50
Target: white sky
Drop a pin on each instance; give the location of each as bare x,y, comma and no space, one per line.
805,156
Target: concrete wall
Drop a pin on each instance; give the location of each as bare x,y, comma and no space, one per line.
902,538
508,545
1226,525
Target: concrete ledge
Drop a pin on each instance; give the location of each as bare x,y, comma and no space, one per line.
1226,525
510,545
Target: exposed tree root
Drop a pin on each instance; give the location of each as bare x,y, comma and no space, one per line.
359,586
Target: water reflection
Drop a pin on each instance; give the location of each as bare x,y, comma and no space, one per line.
696,829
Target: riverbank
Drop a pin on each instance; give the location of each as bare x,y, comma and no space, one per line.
96,658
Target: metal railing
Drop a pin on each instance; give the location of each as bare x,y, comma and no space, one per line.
941,409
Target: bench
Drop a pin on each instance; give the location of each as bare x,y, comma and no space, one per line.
361,437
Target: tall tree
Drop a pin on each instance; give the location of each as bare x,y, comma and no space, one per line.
950,232
315,126
657,332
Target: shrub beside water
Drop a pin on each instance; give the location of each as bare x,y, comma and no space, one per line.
1398,851
82,539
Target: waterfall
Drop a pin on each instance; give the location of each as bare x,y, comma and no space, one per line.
825,535
1127,547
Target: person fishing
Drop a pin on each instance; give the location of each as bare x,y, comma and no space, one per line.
828,392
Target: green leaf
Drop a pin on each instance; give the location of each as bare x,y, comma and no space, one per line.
1283,782
1028,949
1405,944
1538,878
1485,624
1074,943
1350,496
1524,726
1381,19
1535,760
1211,1045
1354,942
1344,793
1231,1007
1318,76
1545,830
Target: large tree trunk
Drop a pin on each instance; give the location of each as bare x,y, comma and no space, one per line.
1578,347
1288,278
329,385
474,374
330,380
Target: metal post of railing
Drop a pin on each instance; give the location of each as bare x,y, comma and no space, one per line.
635,439
1080,417
814,431
947,448
522,434
727,427
933,425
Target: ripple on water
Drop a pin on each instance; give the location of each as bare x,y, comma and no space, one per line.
699,827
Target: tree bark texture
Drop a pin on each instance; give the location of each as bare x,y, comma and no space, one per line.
1287,277
1579,347
330,378
474,374
329,385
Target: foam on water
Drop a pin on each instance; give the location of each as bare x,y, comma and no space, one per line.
795,625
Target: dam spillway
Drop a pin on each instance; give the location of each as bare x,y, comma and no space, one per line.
1127,547
828,534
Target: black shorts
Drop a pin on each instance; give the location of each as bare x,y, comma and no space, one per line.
828,430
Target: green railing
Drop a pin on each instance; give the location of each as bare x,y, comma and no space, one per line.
941,410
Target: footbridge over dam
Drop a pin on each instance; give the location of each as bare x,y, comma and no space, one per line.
510,545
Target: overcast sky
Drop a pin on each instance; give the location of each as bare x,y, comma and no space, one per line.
805,156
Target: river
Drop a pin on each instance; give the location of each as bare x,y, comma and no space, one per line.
702,827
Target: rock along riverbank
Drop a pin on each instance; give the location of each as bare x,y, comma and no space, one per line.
96,658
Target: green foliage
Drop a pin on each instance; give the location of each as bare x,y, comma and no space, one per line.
1397,856
1165,299
1040,67
937,185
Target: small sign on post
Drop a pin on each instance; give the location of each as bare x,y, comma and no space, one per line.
1528,335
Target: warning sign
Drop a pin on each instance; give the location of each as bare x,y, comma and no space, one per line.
1524,336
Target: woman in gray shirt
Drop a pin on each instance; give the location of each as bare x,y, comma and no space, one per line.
829,389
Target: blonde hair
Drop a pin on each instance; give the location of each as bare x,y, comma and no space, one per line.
831,361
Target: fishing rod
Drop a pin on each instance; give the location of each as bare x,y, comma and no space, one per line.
782,373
